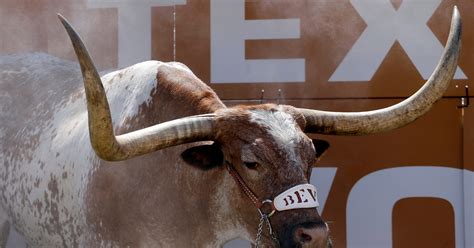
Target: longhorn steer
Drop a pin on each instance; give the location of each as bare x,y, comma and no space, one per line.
57,192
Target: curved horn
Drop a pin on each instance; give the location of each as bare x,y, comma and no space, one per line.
398,115
113,148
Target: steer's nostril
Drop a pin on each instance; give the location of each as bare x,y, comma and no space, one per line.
311,237
302,236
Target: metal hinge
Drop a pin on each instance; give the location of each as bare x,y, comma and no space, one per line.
465,98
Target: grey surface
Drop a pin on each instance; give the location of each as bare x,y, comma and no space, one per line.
237,243
15,240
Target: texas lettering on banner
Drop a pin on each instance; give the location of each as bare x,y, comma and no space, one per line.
229,31
385,26
342,55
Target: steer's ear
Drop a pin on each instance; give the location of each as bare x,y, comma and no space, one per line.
321,146
204,157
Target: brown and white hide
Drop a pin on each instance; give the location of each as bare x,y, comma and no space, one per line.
58,193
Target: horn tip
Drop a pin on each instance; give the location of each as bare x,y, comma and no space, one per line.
456,12
61,18
456,20
65,22
73,35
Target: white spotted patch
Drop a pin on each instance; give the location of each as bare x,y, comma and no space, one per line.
282,127
225,226
44,183
128,88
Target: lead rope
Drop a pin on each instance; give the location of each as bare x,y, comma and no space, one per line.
264,219
259,232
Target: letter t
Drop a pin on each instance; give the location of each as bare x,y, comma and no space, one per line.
134,26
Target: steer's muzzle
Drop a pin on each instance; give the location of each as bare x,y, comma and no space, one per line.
308,234
300,228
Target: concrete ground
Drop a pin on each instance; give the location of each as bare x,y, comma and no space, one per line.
15,240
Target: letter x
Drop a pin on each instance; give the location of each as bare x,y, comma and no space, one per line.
385,25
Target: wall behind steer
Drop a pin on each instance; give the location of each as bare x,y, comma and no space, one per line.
413,187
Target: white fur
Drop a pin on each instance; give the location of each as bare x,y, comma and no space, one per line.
226,229
65,155
282,127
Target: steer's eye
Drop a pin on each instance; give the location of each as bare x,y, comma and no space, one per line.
251,165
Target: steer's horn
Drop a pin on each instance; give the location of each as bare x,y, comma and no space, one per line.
369,122
111,147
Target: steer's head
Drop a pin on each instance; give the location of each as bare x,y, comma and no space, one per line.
265,147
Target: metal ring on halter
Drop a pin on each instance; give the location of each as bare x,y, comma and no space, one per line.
271,205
